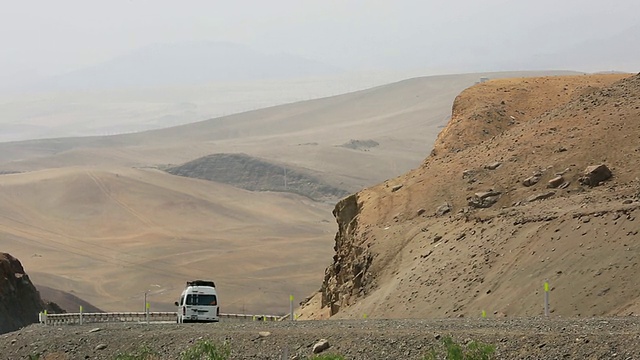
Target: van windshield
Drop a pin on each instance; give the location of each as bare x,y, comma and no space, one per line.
201,299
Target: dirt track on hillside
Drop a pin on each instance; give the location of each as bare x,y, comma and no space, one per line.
515,338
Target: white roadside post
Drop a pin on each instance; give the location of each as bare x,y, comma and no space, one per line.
291,307
546,298
80,314
43,317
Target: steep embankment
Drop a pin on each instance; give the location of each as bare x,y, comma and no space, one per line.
501,205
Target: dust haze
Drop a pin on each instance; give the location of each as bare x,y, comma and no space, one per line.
73,68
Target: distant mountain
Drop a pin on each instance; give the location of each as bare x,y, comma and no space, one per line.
187,64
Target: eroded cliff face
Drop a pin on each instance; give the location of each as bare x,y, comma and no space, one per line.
20,302
348,277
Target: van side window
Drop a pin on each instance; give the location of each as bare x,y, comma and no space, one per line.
201,299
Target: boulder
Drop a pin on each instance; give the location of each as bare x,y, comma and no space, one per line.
483,199
555,182
443,209
493,165
532,180
595,174
468,174
396,188
320,346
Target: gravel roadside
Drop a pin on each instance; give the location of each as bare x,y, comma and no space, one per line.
514,338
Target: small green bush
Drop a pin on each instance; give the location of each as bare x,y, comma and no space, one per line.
454,351
327,357
206,350
144,353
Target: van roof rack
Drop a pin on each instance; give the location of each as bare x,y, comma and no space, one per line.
201,283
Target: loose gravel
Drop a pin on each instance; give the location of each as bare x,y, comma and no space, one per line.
514,338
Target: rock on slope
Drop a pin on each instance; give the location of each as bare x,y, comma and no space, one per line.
498,208
20,302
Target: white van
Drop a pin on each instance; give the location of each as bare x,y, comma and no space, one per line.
198,302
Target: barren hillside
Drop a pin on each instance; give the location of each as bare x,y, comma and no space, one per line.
500,206
108,236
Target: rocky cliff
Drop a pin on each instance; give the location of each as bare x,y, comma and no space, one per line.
533,180
20,302
348,277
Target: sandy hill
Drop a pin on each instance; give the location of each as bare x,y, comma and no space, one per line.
500,205
107,236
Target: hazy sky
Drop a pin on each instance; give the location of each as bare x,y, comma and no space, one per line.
43,38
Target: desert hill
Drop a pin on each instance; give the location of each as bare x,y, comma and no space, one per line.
66,301
108,236
501,205
246,172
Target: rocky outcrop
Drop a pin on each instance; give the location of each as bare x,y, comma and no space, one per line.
20,302
348,277
595,174
483,199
